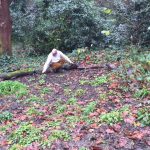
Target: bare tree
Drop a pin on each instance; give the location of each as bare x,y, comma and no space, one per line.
5,28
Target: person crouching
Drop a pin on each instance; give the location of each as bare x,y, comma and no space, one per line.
56,59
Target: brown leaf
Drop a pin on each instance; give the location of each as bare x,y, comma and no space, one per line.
81,103
94,125
122,142
93,114
110,131
113,86
116,100
116,127
23,117
130,120
125,113
95,148
147,141
137,135
101,110
4,143
99,141
69,113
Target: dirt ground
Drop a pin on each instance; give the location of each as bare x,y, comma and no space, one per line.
127,134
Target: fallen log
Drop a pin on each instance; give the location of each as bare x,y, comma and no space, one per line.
24,72
15,74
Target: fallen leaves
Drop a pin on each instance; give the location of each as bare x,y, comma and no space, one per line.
95,148
109,131
4,143
136,135
130,120
113,85
121,135
121,142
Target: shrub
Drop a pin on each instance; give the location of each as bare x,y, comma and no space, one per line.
63,24
127,22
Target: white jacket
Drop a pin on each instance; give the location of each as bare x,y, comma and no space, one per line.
52,59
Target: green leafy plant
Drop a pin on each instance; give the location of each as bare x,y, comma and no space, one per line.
79,92
25,135
4,128
72,101
46,90
5,63
33,111
87,119
142,93
111,117
99,80
89,108
16,147
67,91
124,88
60,109
46,144
114,116
13,87
59,134
4,116
54,124
83,82
32,99
144,116
103,96
42,81
96,82
72,119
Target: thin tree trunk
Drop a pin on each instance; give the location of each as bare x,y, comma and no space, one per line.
5,28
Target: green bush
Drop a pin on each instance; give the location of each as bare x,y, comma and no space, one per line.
126,32
63,24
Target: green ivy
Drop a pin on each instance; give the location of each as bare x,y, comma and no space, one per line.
13,87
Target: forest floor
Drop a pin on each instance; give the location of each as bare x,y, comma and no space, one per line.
91,109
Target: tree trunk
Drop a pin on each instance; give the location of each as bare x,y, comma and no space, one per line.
5,28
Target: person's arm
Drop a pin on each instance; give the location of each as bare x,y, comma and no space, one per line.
47,63
65,57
